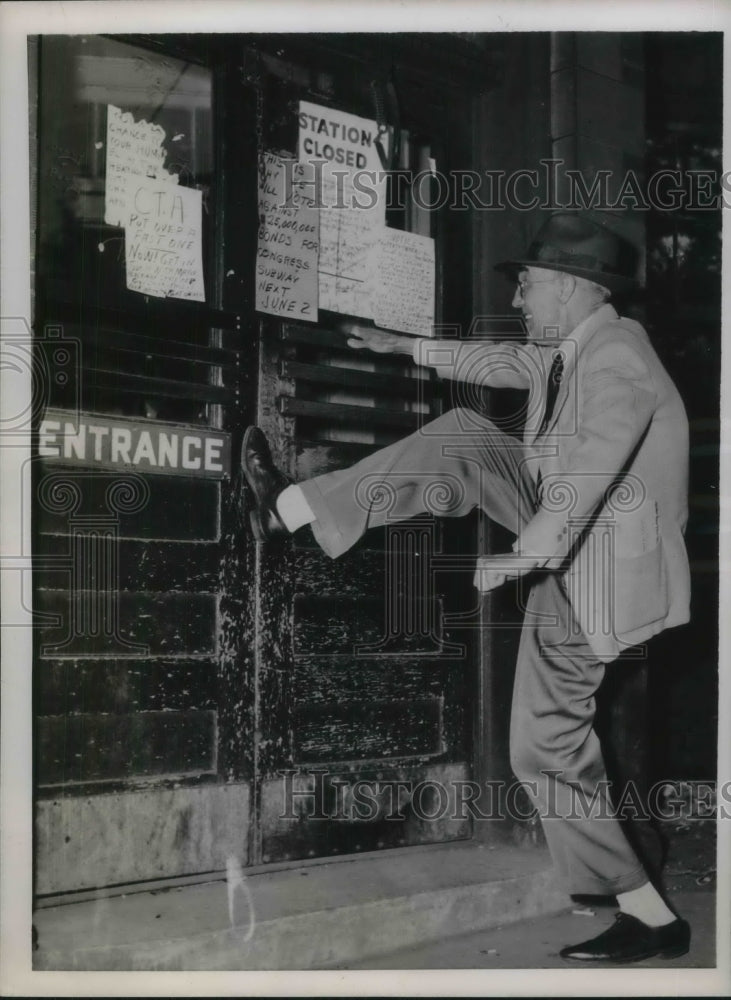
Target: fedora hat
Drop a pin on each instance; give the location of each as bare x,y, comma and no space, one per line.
576,244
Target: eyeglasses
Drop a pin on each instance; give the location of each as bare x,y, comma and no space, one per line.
525,283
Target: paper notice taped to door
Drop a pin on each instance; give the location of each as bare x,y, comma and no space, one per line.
132,148
401,282
288,242
163,237
348,181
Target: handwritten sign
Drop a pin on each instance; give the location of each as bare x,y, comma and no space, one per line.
288,243
162,239
349,187
132,148
348,236
401,282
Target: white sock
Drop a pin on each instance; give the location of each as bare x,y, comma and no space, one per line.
294,509
647,905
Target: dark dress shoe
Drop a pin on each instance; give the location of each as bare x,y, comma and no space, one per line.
631,940
266,482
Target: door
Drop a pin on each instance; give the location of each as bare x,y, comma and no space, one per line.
366,694
198,697
140,375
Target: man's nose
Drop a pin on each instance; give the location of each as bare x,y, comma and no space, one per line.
517,299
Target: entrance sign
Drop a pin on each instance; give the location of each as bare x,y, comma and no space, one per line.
89,439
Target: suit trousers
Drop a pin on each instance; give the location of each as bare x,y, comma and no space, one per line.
451,465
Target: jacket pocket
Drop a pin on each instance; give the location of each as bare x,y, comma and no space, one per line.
640,591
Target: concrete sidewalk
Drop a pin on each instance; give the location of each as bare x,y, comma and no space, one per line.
302,916
690,883
534,944
463,905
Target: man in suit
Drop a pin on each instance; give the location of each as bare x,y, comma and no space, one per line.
596,495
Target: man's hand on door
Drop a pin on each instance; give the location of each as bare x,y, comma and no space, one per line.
379,341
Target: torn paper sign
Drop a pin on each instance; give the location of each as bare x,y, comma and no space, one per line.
348,182
288,242
162,239
132,148
401,282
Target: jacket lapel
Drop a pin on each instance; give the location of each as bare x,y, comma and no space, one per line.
572,348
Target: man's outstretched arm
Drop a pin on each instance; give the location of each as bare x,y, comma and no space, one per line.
498,364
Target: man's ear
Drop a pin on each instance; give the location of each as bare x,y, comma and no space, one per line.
566,286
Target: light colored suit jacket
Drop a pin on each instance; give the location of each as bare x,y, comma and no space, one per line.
611,470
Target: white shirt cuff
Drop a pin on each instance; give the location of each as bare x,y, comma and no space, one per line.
416,350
